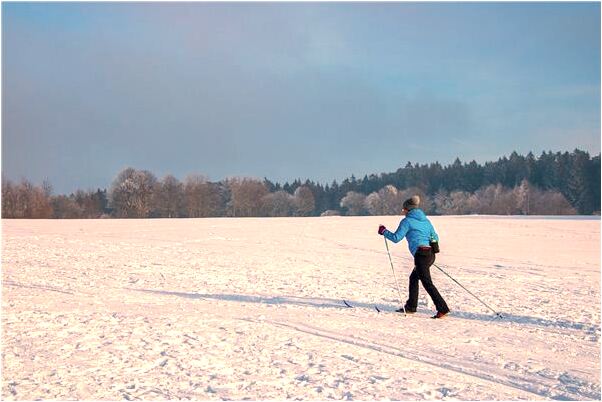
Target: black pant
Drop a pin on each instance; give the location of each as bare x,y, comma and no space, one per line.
423,259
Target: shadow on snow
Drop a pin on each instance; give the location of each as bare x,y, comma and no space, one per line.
319,302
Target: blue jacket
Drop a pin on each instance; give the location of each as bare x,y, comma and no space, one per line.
416,228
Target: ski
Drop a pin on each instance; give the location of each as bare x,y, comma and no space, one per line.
350,306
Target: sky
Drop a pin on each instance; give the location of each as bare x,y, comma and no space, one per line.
315,91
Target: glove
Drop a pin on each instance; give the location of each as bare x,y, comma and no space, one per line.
434,246
381,229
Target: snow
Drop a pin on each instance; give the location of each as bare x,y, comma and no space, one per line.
251,308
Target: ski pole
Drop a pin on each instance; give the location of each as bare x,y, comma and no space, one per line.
395,276
472,294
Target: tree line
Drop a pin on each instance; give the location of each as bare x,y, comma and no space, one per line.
552,184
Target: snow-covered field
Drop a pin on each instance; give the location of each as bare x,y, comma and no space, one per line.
252,309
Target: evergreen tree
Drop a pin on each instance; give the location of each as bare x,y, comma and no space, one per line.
577,191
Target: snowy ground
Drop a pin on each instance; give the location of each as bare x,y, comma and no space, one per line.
251,309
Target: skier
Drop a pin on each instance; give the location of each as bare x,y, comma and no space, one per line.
423,244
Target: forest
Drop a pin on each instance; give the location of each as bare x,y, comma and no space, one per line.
561,183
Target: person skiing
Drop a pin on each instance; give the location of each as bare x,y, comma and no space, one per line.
423,244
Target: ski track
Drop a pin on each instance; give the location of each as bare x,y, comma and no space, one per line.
216,309
541,386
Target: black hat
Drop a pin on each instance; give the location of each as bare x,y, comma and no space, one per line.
411,203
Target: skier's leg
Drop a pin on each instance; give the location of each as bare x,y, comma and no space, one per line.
423,264
412,302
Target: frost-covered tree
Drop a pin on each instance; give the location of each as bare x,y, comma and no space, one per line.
455,203
354,203
426,204
549,202
442,202
387,201
304,201
279,203
392,201
373,204
496,200
131,193
522,195
462,203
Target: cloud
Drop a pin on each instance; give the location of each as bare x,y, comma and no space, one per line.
286,90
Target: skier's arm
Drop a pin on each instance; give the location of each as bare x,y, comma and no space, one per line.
434,235
400,233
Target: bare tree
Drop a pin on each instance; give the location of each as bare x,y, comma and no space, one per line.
41,208
169,197
47,188
193,195
87,207
245,196
25,201
131,193
24,207
64,207
9,199
202,198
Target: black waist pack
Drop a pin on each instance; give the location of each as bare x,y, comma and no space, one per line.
434,246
